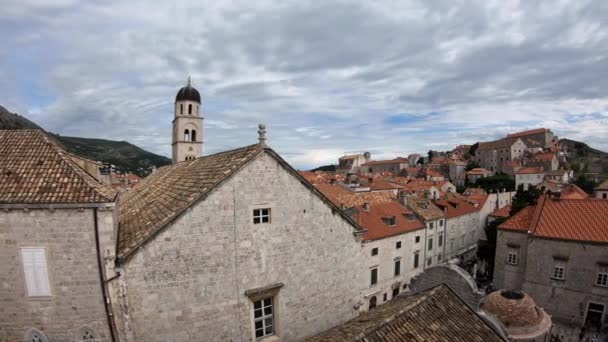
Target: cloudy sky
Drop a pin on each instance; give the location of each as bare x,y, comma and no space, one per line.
327,78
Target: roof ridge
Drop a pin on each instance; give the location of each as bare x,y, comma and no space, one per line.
537,213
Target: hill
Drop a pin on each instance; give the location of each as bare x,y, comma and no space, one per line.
584,159
125,156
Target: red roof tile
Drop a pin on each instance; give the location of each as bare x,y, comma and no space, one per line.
502,212
341,196
525,133
374,220
478,171
383,162
571,191
454,207
545,156
529,170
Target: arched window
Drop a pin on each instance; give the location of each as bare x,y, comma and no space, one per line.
181,108
372,302
86,334
34,335
193,135
186,135
190,109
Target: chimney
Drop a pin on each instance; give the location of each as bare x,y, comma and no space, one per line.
366,206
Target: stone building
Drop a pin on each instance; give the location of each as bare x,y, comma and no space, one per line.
352,163
546,160
393,247
235,246
57,229
542,137
529,176
556,251
433,252
187,125
476,174
493,155
393,166
464,227
601,191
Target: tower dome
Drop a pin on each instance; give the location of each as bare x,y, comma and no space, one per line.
188,93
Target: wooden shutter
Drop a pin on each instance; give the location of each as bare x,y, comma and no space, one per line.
35,270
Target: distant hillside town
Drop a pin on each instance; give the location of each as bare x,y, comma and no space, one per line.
502,240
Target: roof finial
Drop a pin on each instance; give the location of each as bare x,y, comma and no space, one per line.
189,81
262,134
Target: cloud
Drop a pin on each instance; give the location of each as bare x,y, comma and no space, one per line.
327,77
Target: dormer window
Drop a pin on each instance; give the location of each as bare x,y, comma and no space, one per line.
389,220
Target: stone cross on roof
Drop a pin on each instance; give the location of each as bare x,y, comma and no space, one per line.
262,134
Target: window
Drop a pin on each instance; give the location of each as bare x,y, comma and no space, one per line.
193,135
604,196
384,297
430,244
263,317
439,257
395,292
36,273
416,260
181,109
372,302
429,261
440,242
186,135
261,215
602,276
512,255
374,251
189,109
397,267
559,269
417,239
431,225
390,220
374,276
398,245
440,223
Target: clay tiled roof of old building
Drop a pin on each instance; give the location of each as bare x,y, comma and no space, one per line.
572,191
602,186
500,143
454,207
437,314
544,156
314,178
385,162
563,219
425,208
433,173
164,195
478,171
35,170
526,133
377,220
341,196
529,170
380,184
502,212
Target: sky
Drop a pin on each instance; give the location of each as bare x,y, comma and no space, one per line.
327,78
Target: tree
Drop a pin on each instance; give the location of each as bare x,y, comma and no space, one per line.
585,183
473,148
471,164
496,183
430,153
524,198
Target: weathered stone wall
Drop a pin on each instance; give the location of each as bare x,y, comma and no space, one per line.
188,282
385,262
69,238
507,276
463,232
568,299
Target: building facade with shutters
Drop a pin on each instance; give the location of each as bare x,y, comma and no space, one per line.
57,224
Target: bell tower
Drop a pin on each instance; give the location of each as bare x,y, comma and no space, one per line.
187,125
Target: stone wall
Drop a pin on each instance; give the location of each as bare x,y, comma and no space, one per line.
507,276
68,235
188,283
568,299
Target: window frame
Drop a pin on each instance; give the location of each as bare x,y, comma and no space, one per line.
513,252
264,317
374,251
28,291
373,276
416,260
440,241
398,245
261,216
417,239
601,278
397,267
430,244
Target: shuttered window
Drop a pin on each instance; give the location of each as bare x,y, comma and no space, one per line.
36,272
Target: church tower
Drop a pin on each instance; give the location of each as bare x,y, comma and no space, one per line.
187,125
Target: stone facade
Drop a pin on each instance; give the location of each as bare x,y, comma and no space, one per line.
463,232
528,179
393,166
509,275
189,281
76,300
187,131
493,155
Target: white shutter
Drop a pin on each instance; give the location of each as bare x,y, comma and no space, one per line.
35,270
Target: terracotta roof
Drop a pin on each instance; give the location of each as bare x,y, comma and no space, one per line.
564,219
341,196
602,186
478,171
500,143
374,220
425,208
433,173
529,170
437,314
314,178
544,156
453,207
383,162
35,170
380,184
529,132
502,212
572,191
